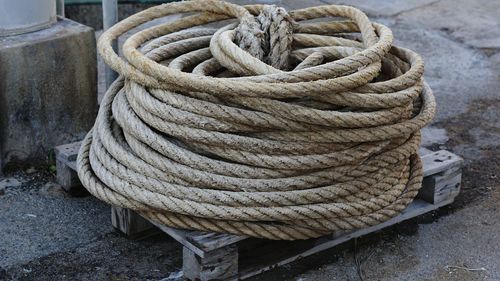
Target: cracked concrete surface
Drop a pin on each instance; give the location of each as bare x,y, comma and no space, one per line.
47,235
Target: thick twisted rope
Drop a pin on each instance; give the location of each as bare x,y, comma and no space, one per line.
271,126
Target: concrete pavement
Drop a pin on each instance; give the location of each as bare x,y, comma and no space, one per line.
71,238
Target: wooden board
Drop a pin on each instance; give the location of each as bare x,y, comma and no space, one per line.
200,242
439,161
131,224
66,167
67,153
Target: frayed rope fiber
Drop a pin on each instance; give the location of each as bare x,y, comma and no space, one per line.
272,126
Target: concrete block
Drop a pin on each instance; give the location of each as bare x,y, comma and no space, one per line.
91,14
48,90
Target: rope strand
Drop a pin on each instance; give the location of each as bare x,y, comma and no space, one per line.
270,127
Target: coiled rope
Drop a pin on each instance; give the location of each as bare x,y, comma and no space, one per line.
272,126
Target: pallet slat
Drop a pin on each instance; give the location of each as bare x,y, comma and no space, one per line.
200,242
440,161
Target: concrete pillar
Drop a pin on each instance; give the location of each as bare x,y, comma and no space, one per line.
48,92
18,17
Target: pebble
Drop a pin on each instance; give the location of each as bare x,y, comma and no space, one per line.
31,170
53,189
8,182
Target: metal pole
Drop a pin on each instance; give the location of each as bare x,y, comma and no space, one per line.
109,18
60,8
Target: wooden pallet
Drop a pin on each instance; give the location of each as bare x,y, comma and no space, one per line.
216,256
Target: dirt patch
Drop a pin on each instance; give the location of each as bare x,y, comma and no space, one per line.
475,135
30,178
110,258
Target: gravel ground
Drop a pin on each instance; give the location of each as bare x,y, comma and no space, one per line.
48,235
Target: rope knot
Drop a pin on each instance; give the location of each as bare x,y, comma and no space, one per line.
268,36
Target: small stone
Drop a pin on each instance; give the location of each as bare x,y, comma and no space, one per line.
53,189
8,182
31,170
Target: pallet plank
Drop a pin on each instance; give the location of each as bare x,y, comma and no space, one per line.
66,175
68,152
439,161
131,224
220,264
182,236
442,185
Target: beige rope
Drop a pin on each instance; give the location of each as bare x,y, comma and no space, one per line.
271,126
